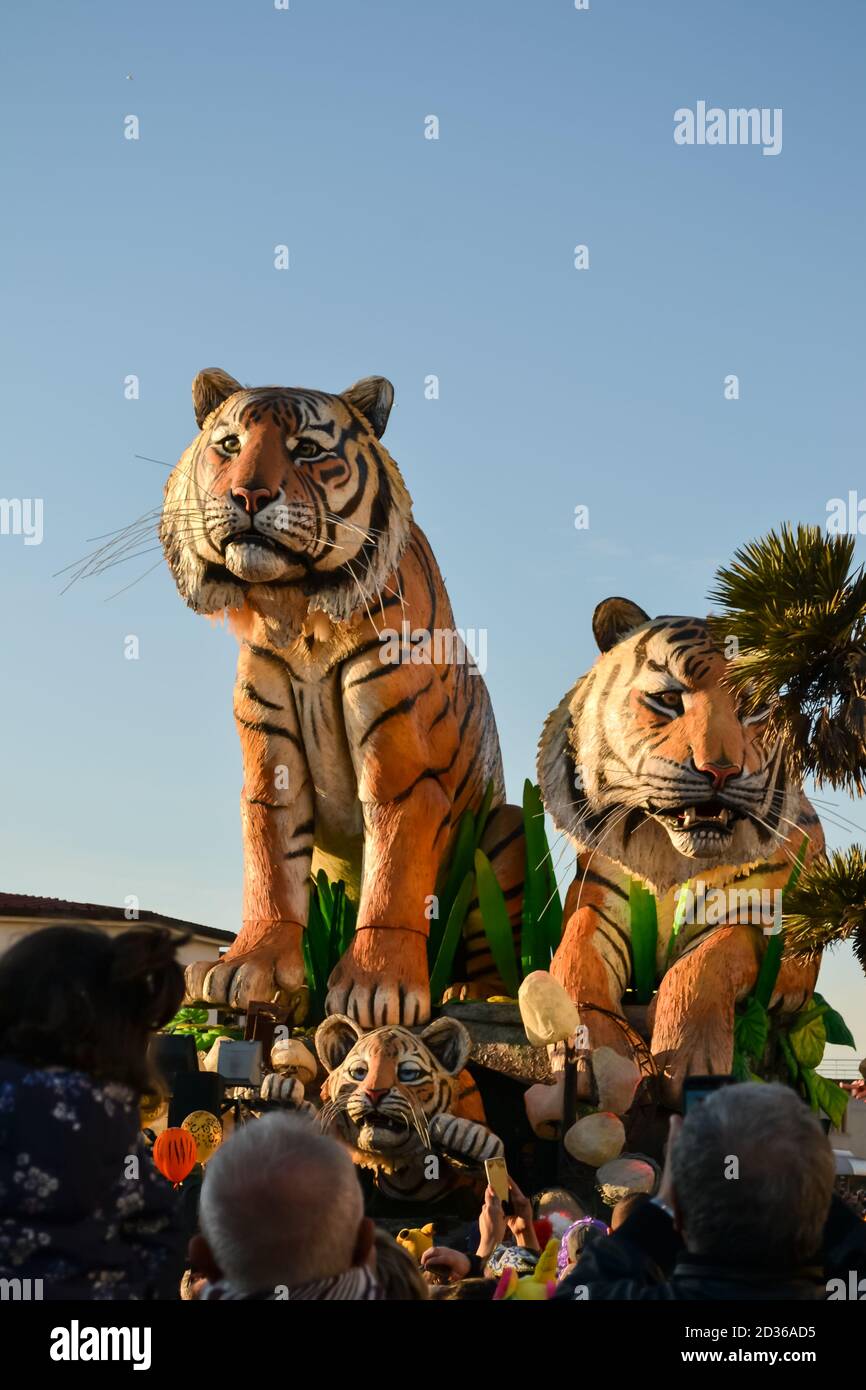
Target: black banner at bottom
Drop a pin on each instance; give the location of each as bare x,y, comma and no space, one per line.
182,1338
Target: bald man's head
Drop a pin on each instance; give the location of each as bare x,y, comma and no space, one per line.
281,1205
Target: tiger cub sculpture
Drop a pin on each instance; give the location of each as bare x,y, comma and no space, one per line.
366,729
390,1095
651,769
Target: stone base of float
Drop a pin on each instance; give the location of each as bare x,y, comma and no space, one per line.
500,1044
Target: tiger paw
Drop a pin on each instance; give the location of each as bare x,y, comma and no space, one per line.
285,1090
382,978
461,993
272,970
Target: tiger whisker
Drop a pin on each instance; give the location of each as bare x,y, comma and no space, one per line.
363,598
133,583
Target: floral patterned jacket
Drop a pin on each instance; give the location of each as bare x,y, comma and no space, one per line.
82,1207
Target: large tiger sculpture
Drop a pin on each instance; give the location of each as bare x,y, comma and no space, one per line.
651,770
391,1096
360,754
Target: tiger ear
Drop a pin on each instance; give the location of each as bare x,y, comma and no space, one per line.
210,388
335,1039
373,396
449,1042
615,618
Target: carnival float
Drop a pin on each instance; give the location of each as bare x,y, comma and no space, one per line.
407,972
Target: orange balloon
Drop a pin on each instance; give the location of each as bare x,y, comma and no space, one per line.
175,1155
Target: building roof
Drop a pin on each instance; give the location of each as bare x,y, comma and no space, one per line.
26,905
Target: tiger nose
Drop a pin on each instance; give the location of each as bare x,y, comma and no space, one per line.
252,499
376,1096
718,772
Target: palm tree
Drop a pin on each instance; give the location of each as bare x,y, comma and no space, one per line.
794,625
827,905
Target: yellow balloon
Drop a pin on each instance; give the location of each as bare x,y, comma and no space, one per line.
207,1132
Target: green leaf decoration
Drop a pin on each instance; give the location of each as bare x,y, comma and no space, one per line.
751,1029
790,1060
644,939
808,1040
440,975
483,813
824,1094
189,1014
317,998
349,924
679,916
837,1030
772,959
497,925
552,915
315,942
333,917
769,971
326,895
452,872
542,911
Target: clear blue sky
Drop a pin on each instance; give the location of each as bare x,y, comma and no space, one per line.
408,257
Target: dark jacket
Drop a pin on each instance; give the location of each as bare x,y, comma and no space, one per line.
82,1206
646,1260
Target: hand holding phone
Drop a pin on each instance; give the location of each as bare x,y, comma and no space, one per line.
497,1177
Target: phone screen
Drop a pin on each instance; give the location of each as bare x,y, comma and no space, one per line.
497,1176
697,1088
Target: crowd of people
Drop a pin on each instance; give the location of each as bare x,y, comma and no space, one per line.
745,1209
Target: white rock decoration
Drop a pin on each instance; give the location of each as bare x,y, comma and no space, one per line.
549,1015
617,1079
209,1060
625,1176
596,1139
292,1057
544,1107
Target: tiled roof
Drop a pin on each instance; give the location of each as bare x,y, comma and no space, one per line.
26,905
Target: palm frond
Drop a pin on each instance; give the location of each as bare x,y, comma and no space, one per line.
794,625
828,905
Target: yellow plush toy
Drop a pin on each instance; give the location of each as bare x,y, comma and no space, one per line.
416,1240
534,1287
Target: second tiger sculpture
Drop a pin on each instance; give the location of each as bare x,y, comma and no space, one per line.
288,514
650,768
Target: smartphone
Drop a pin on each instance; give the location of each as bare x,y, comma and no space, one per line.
697,1088
497,1177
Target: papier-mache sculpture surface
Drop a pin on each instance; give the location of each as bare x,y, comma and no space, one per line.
659,777
361,749
402,1102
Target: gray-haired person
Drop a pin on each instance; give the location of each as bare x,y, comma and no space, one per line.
741,1213
282,1217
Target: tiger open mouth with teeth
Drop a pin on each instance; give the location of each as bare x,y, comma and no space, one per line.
649,761
697,829
658,776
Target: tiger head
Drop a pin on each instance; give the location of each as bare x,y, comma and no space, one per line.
285,500
384,1087
649,760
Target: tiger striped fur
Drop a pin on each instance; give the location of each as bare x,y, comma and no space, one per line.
651,769
390,1095
288,514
